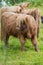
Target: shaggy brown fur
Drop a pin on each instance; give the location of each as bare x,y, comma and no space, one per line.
36,14
19,25
24,5
17,8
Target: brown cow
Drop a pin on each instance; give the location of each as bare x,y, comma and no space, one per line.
21,26
22,9
36,14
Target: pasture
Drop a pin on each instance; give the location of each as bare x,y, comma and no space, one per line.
14,56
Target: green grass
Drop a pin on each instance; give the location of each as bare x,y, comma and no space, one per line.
14,56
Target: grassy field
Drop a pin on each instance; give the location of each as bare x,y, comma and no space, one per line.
14,56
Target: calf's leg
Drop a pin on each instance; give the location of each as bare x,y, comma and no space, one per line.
22,40
6,40
34,41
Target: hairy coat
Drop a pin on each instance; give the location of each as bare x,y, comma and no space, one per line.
24,5
16,8
36,14
21,26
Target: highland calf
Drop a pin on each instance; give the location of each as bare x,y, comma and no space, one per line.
21,26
